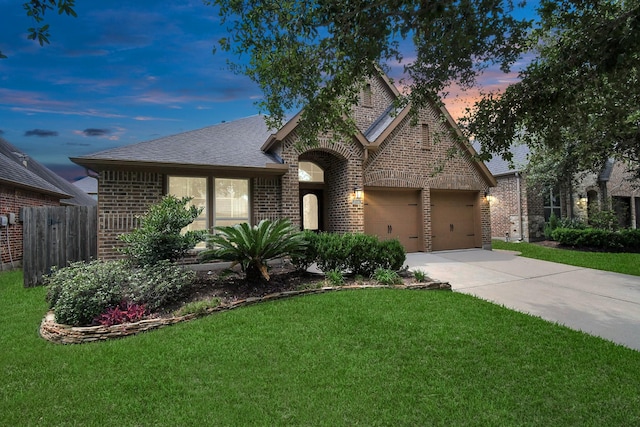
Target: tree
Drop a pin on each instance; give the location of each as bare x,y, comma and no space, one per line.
36,9
317,54
579,99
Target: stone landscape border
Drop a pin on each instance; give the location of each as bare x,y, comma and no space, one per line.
65,334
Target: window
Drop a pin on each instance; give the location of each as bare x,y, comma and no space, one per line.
196,188
552,204
367,96
232,201
227,198
310,172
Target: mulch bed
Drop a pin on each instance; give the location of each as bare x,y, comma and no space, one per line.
231,286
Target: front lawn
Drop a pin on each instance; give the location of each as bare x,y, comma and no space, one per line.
365,357
627,263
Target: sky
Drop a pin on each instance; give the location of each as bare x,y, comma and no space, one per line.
124,72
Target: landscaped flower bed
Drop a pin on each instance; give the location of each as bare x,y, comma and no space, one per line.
64,334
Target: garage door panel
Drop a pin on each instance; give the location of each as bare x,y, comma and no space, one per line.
394,214
453,220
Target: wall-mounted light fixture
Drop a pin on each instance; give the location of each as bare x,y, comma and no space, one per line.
358,195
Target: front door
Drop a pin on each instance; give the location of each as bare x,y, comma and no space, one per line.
311,212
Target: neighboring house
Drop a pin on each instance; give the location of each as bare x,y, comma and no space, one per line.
380,181
519,212
26,183
89,185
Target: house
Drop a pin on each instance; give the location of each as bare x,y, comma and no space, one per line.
89,185
26,183
381,181
519,212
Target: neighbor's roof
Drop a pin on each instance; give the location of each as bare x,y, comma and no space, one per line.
37,177
233,144
88,184
498,166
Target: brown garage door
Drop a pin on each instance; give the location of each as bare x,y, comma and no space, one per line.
453,220
394,214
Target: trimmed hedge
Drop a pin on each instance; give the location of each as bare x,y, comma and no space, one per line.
357,253
616,241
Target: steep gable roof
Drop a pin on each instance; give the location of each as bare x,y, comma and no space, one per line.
37,177
228,145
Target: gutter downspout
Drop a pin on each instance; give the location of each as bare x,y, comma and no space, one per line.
518,178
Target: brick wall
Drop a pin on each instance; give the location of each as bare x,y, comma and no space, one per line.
12,199
123,197
267,199
522,216
404,161
381,98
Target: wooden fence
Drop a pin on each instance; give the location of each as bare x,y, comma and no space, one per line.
56,236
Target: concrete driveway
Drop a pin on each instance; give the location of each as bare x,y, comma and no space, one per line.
597,302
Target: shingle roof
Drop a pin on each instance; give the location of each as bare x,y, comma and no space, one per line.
381,124
37,177
498,166
235,144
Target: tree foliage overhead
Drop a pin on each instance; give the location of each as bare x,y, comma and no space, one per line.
36,9
581,91
316,54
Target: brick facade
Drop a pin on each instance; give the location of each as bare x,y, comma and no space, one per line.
516,215
123,197
12,199
402,160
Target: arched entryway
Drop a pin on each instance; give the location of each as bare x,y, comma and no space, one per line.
326,182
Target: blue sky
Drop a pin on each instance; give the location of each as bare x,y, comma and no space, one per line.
121,72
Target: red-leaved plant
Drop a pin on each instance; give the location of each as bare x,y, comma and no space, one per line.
124,313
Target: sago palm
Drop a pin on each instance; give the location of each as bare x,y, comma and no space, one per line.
252,247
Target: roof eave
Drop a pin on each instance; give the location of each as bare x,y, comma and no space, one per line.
270,169
60,194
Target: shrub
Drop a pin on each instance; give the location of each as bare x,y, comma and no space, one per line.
572,223
358,253
550,226
331,252
387,277
81,292
158,285
627,240
392,255
304,259
603,220
252,247
364,253
160,235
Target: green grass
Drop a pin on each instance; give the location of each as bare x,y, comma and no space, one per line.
627,263
366,357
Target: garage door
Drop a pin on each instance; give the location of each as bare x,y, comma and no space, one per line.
453,220
394,214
